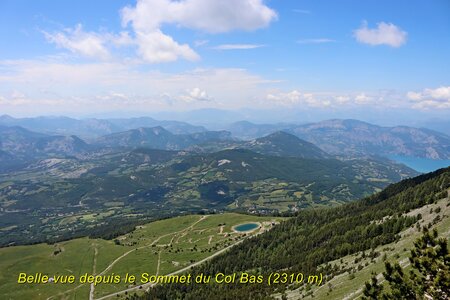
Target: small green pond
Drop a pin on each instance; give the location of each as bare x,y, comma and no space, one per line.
246,227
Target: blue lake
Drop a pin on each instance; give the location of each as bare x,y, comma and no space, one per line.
423,165
246,227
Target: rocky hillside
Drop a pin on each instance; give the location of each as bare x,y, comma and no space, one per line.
352,137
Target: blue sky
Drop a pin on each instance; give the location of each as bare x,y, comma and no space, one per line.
331,58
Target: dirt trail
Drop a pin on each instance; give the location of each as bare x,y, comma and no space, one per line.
94,271
159,263
149,285
91,292
78,286
149,245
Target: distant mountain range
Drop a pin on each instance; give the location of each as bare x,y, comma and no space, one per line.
19,142
353,138
92,128
357,138
24,144
159,138
348,138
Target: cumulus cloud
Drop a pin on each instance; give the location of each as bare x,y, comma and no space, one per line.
362,98
414,96
104,86
121,39
76,40
296,98
341,100
441,93
194,95
292,97
237,46
156,47
206,15
383,34
148,16
438,98
326,99
143,28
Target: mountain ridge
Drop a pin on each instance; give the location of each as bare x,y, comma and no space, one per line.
354,137
93,127
281,143
159,138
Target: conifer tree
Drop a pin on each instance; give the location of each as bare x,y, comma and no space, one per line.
429,277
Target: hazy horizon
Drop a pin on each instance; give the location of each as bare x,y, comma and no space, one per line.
215,118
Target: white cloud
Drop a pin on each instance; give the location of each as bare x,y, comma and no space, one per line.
414,96
195,95
89,88
328,99
341,100
156,47
362,98
206,15
96,87
316,41
296,98
438,98
122,39
288,98
148,16
76,40
441,93
237,46
383,34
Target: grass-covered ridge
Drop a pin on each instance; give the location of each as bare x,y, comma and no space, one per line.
160,247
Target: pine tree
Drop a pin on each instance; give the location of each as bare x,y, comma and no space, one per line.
429,277
431,259
372,290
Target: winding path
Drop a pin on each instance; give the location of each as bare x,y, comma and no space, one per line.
149,285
